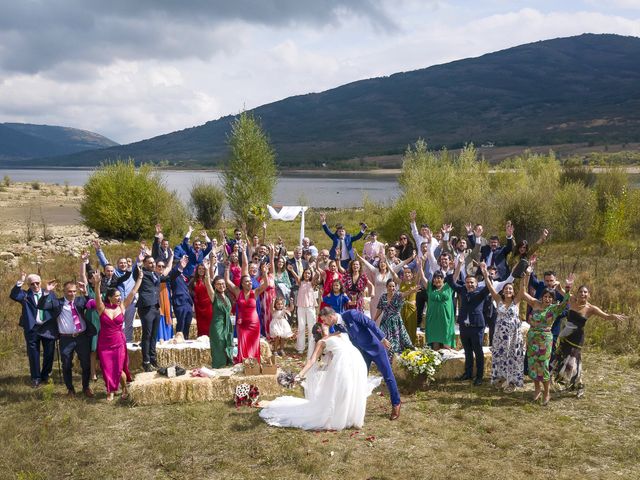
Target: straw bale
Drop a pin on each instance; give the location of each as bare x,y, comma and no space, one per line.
154,389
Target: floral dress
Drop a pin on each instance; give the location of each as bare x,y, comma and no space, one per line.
355,290
392,325
507,351
540,340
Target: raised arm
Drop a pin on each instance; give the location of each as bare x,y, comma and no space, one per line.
84,261
370,268
132,294
97,279
100,254
293,272
230,285
207,279
167,267
489,282
524,291
597,311
245,260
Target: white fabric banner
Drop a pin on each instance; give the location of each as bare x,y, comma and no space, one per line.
289,214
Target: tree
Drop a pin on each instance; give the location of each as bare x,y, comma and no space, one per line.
120,201
207,202
250,173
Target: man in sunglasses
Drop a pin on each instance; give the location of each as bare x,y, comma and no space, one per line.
39,330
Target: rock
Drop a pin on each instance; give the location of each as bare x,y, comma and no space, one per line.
7,256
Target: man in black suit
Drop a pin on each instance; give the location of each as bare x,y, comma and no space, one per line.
74,331
470,321
39,331
495,255
149,307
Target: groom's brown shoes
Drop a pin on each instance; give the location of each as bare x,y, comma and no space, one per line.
395,412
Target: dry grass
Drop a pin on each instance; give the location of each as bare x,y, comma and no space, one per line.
450,431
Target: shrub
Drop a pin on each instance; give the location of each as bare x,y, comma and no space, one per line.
35,185
528,214
120,201
207,202
573,212
6,180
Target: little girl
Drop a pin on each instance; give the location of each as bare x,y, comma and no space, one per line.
280,328
306,304
336,299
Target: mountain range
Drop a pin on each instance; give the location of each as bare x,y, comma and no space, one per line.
583,89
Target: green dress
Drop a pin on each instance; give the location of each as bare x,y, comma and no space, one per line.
221,333
540,340
91,314
409,312
441,320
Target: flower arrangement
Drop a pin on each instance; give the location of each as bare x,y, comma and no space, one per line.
422,361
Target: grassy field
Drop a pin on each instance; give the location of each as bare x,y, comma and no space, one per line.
451,430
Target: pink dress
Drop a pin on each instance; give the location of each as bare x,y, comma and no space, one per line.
247,327
266,299
112,350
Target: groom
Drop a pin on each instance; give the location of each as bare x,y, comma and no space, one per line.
369,339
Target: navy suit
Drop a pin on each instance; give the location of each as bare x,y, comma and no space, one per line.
149,311
499,257
182,301
158,254
471,323
80,344
348,239
36,335
367,338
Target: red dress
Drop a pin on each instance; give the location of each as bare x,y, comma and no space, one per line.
203,307
247,327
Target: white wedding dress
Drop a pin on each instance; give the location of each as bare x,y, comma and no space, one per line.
335,395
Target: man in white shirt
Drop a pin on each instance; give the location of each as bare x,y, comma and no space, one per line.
373,249
75,332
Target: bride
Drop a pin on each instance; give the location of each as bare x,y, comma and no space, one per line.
336,389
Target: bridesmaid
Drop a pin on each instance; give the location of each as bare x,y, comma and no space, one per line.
247,320
112,345
221,330
388,317
268,295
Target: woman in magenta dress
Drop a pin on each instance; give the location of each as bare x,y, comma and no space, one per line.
247,320
112,344
269,294
201,301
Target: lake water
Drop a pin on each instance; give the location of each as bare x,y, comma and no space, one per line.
315,190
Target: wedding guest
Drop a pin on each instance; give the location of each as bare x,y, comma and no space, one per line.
221,329
38,328
567,365
306,307
74,331
440,320
336,298
380,275
539,337
470,321
280,330
507,348
282,280
247,320
112,346
181,298
494,254
373,250
355,283
307,245
160,250
202,305
195,252
390,321
342,246
124,283
165,325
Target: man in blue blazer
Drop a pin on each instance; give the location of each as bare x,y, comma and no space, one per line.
181,297
495,255
38,328
195,252
371,342
342,247
74,331
470,321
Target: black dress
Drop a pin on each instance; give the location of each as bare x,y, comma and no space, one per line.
567,365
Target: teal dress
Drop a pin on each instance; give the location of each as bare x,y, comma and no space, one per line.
441,319
221,333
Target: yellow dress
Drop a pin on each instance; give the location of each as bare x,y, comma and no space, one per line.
408,311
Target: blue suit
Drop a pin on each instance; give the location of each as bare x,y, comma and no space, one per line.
367,338
182,301
194,257
35,334
348,239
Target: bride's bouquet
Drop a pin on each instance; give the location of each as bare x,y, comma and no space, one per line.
422,361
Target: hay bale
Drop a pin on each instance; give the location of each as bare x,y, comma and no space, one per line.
154,389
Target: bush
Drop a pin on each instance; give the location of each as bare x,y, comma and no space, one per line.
120,201
6,180
207,202
573,212
35,185
528,214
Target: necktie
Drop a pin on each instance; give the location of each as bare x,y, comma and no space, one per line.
76,317
40,312
299,265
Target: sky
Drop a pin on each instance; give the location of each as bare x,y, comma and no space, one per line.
135,69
